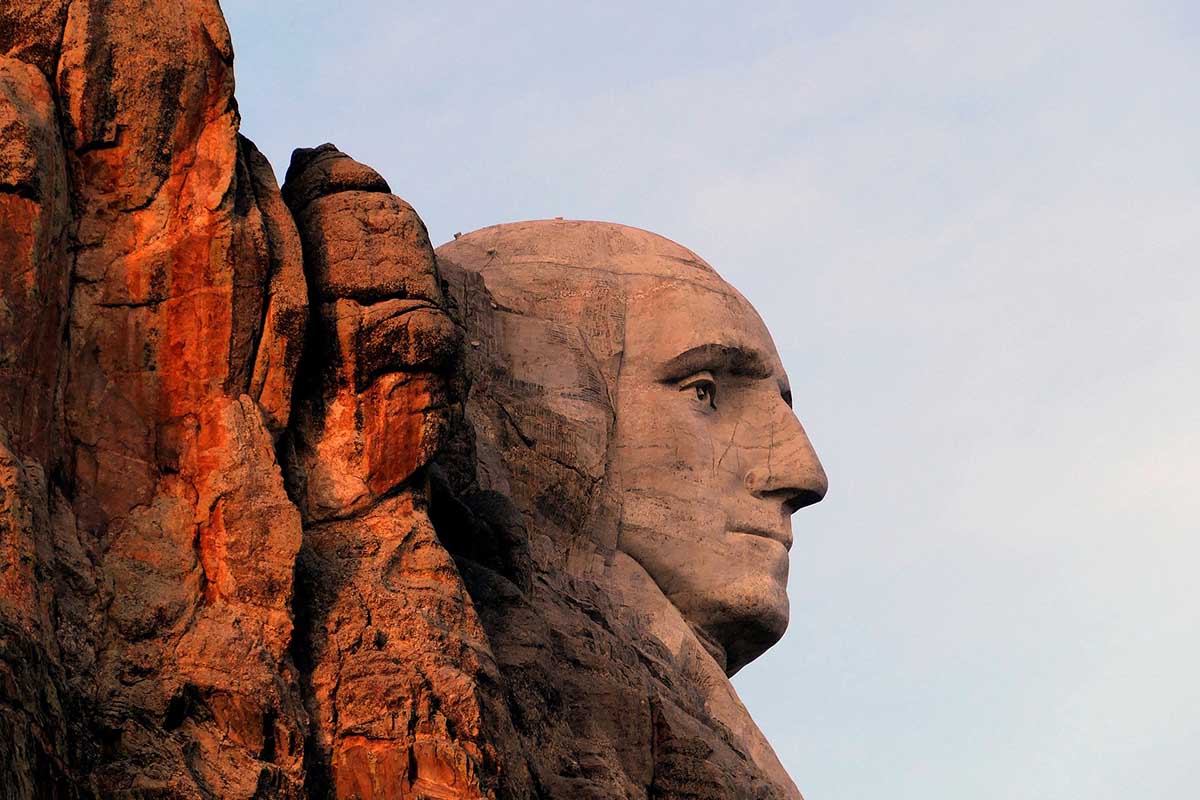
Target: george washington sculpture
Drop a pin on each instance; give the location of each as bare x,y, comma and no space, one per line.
632,406
292,506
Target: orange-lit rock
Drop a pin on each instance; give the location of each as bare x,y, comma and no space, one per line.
34,240
392,655
152,312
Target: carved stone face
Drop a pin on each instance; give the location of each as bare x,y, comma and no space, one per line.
712,460
576,324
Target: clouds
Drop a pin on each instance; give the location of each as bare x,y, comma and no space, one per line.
973,230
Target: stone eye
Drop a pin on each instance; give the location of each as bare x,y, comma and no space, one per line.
703,387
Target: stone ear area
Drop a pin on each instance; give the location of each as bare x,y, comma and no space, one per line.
244,548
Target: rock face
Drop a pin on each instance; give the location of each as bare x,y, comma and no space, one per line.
151,320
632,407
391,650
293,507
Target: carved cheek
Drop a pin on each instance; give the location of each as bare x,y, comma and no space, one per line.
665,451
752,440
694,449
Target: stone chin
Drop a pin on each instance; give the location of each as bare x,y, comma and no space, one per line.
746,636
747,614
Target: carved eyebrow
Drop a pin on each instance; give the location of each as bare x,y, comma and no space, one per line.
733,359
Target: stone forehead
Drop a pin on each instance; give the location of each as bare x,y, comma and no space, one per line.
606,247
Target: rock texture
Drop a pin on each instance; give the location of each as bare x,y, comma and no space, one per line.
392,654
292,506
151,320
632,407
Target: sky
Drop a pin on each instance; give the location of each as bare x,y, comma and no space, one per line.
973,231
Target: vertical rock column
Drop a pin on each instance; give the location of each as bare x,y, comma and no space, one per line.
35,223
152,311
392,653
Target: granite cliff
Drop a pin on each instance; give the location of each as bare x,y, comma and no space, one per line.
285,512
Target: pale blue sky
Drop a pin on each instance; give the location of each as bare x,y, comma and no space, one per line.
974,231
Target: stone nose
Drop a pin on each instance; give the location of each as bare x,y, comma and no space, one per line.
791,473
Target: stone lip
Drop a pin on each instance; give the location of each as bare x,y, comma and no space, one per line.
783,537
